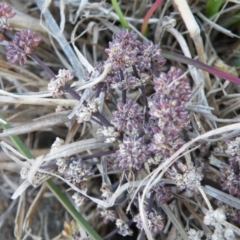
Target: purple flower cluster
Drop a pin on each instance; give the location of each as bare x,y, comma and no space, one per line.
126,51
123,228
155,222
123,50
77,171
128,117
167,109
132,153
5,13
133,63
21,46
162,193
6,10
233,150
230,174
230,180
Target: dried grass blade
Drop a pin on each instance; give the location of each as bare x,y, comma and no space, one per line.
221,196
19,217
33,207
41,123
175,221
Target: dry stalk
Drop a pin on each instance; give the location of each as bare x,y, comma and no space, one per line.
194,32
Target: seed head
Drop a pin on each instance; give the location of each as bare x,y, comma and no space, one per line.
85,112
233,150
106,192
79,199
109,132
165,142
174,84
56,85
194,234
150,57
189,180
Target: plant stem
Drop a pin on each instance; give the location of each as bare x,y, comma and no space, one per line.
36,59
148,15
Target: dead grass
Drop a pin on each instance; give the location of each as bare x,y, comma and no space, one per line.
31,111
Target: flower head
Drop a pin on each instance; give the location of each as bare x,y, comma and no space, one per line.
214,217
123,50
168,104
189,180
230,173
124,229
174,84
165,142
109,132
132,153
85,111
233,150
230,180
128,117
168,110
106,192
107,214
36,179
21,46
194,234
79,199
126,52
77,171
162,193
155,222
5,13
150,57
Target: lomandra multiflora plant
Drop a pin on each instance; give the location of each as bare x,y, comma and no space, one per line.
142,130
143,123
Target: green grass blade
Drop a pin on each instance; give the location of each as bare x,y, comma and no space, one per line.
212,7
72,210
21,147
119,13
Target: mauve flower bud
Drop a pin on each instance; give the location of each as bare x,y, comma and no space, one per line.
21,46
155,222
123,50
128,117
6,12
132,153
